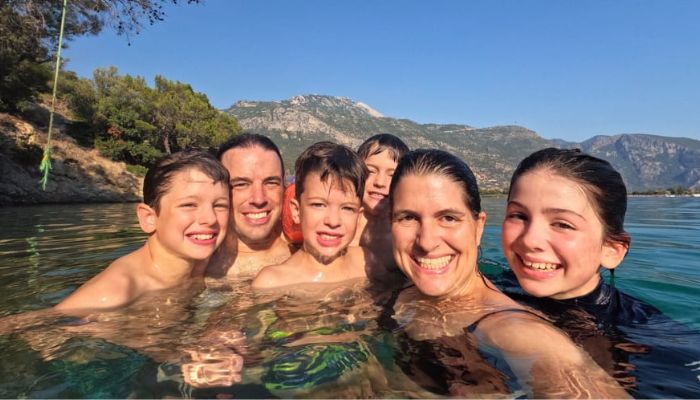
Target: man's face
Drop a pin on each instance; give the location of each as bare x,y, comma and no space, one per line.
256,192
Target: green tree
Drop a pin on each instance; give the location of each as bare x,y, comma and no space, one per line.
135,123
184,118
29,36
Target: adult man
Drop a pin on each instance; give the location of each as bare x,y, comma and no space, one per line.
255,237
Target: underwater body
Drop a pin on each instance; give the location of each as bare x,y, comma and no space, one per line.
344,345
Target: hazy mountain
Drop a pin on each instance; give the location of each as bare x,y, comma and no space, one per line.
645,161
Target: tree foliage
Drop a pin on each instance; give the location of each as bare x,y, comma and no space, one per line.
136,123
29,36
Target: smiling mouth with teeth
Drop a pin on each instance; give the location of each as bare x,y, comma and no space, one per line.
541,266
433,263
203,236
258,215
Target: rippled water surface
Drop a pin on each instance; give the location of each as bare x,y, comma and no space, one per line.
48,251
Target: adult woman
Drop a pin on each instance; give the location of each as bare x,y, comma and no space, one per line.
436,236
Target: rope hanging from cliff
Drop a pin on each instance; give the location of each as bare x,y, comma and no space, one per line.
45,165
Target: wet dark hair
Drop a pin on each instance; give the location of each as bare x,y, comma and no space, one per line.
382,142
430,161
247,140
331,160
602,183
159,178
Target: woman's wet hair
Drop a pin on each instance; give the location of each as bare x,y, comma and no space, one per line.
330,160
247,140
380,143
423,162
602,184
159,178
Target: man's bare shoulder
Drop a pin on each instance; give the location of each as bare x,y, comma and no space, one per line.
116,286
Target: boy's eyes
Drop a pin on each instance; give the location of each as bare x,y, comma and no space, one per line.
350,209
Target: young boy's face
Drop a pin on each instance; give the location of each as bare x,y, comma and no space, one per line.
381,169
328,216
193,215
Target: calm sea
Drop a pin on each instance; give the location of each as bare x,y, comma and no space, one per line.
47,251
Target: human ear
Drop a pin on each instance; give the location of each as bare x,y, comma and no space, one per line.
480,223
147,217
294,208
613,254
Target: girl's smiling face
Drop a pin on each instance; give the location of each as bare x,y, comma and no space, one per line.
553,238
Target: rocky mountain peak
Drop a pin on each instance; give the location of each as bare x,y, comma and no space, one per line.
645,161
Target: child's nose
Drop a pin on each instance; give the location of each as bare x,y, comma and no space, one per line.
532,237
332,217
206,216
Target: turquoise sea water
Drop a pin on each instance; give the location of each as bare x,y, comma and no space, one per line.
47,251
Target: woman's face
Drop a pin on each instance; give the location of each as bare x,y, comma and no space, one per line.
553,238
435,234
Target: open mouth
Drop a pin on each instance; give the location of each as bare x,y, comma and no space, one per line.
377,195
257,218
433,264
203,238
327,239
540,266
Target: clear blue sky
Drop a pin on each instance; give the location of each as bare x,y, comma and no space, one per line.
564,68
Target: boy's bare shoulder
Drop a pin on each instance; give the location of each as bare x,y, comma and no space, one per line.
115,286
273,276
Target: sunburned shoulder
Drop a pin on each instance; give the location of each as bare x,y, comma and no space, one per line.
116,286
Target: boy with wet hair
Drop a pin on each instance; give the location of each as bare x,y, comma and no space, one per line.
330,180
185,212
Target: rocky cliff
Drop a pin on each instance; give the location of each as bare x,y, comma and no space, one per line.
645,161
78,174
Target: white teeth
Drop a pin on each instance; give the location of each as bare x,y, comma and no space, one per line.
203,236
327,237
433,263
258,215
541,266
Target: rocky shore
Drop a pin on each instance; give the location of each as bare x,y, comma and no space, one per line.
78,174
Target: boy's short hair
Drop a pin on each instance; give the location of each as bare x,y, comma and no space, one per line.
382,142
159,178
247,140
330,160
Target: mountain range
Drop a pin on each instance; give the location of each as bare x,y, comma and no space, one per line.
646,162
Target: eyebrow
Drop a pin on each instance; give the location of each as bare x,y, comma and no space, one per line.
550,210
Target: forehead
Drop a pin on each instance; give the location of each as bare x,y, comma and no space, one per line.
430,190
314,186
191,180
384,159
252,162
543,187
